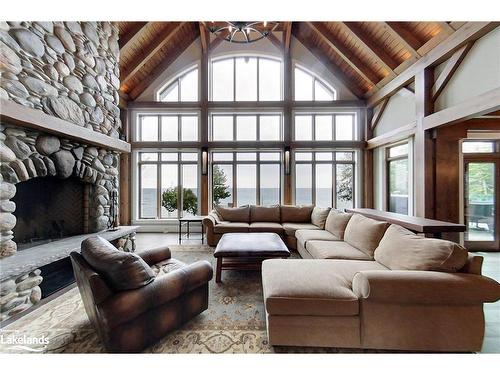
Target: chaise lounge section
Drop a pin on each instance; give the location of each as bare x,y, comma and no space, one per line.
367,284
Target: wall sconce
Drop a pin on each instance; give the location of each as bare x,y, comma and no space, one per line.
204,161
287,160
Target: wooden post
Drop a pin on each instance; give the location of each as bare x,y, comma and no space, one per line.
424,171
365,121
287,118
204,194
125,173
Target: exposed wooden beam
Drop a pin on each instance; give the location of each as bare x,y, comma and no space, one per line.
446,28
287,36
467,33
144,56
378,114
455,25
482,104
218,40
132,35
403,132
155,73
360,36
451,66
347,55
332,67
275,41
204,37
409,41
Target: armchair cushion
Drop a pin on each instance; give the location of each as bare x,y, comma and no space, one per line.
127,305
336,222
319,215
155,255
364,233
121,270
237,214
401,249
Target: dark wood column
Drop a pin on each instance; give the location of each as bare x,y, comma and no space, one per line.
424,174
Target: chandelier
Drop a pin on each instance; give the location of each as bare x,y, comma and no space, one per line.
242,32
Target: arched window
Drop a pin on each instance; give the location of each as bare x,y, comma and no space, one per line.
184,88
246,78
309,87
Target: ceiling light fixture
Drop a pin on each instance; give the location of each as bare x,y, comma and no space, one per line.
242,32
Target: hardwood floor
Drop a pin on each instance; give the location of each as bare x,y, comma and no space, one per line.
491,268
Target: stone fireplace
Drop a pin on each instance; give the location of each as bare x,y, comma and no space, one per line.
54,168
60,145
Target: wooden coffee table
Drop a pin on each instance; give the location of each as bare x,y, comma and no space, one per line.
246,251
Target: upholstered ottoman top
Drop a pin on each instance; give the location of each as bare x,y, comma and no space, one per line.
259,245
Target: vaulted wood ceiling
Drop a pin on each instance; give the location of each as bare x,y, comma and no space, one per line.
363,55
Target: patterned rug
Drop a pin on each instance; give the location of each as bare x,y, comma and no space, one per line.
233,323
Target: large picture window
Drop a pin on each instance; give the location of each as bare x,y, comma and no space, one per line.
325,178
397,178
325,127
240,178
246,78
246,127
168,128
168,184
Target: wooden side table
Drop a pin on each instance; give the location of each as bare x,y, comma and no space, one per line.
186,221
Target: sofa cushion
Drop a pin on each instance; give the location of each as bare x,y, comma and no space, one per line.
305,235
290,228
334,250
364,233
237,214
266,227
312,286
270,214
296,214
121,270
231,228
336,222
401,249
319,215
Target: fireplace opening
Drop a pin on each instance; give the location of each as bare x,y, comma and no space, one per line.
49,209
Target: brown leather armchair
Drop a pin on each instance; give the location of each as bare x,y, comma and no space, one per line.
132,299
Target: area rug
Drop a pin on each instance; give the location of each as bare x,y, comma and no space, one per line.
233,323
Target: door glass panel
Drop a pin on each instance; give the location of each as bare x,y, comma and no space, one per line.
480,201
169,191
148,191
222,185
189,190
246,179
324,183
398,186
269,184
345,186
303,183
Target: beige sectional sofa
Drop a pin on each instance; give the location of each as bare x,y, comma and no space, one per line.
280,219
367,284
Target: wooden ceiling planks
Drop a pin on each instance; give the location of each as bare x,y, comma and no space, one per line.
363,55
